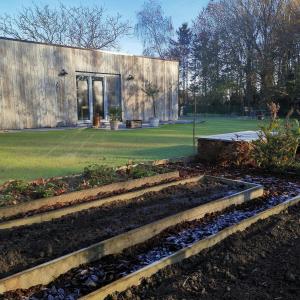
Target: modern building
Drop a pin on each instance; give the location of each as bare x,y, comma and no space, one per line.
44,85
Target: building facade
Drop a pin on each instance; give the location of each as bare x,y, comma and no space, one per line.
45,85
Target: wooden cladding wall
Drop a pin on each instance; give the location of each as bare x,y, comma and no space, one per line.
32,94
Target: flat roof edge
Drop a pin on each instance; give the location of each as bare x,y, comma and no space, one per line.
86,49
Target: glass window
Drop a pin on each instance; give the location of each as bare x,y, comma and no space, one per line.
98,96
113,91
82,98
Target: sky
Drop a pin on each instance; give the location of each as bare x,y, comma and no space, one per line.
180,11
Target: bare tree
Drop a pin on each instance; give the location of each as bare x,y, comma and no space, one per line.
82,26
154,29
248,50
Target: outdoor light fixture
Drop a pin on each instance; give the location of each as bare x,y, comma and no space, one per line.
130,77
63,72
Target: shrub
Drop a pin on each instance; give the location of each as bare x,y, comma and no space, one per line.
277,144
48,189
7,199
115,113
16,186
98,174
141,171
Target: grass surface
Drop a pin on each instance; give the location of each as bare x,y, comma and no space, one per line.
32,154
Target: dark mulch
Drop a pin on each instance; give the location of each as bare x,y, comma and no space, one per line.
262,262
28,246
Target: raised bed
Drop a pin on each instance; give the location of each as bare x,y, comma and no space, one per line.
135,278
229,147
68,198
58,213
45,273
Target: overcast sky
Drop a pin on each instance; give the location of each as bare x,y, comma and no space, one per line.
180,11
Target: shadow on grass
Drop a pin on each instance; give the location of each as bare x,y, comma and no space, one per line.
163,152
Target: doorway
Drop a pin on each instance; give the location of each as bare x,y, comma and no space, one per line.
96,93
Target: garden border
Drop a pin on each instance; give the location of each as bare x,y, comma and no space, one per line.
45,273
60,212
12,210
135,278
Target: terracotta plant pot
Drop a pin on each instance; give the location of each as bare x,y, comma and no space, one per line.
96,121
154,122
114,125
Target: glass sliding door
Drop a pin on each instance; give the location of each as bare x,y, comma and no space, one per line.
96,93
83,108
98,96
113,91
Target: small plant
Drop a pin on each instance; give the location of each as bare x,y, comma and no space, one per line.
16,186
141,171
277,144
7,199
152,91
17,191
98,174
115,113
43,191
47,189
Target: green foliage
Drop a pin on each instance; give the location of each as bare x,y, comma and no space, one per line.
14,192
17,191
277,144
16,186
115,113
98,174
11,191
7,199
43,191
141,171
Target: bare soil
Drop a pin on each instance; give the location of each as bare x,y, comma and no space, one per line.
86,278
101,195
263,262
27,246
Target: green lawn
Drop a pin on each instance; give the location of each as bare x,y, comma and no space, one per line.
33,154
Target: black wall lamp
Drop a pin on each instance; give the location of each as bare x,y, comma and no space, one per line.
130,77
63,72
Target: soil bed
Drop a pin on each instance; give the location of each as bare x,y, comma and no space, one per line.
18,191
47,208
85,279
262,262
27,246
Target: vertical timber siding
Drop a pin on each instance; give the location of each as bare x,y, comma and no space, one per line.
32,94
